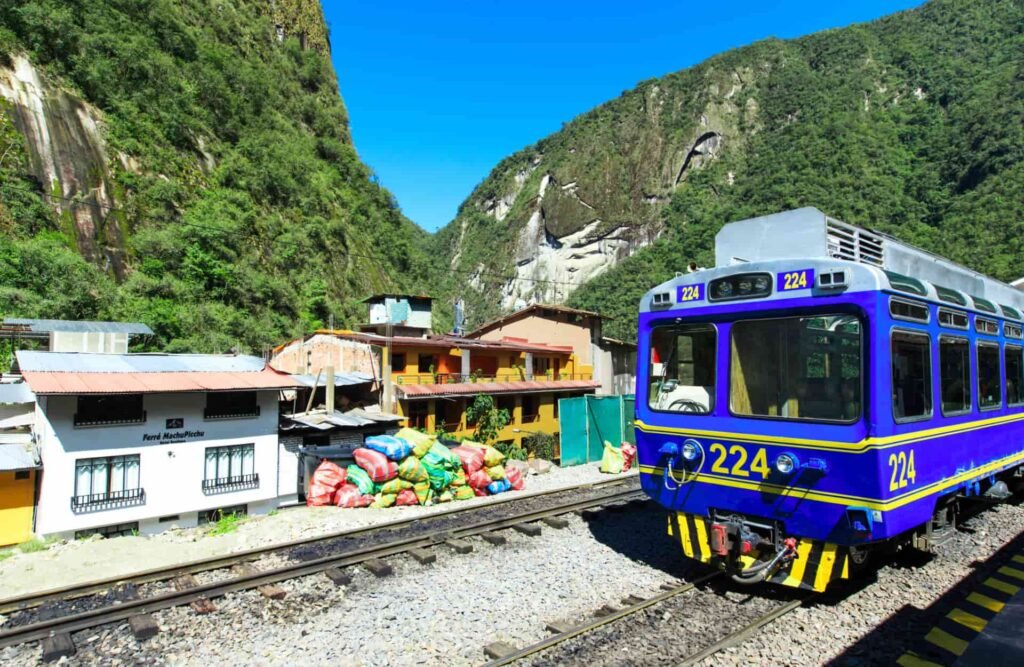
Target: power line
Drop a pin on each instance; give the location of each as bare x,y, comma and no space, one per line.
109,208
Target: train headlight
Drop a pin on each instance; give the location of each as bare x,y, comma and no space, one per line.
786,463
761,284
745,286
724,289
692,450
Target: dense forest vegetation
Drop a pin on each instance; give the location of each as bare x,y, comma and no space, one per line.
912,124
244,213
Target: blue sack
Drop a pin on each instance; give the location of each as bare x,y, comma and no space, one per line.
499,486
394,448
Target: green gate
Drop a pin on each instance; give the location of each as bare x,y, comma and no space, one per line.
585,422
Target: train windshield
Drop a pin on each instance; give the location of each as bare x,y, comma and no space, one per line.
806,368
682,369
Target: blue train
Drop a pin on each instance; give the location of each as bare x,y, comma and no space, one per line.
823,392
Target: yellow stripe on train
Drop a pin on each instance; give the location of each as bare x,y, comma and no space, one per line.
816,565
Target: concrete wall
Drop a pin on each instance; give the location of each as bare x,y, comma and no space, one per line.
548,331
170,472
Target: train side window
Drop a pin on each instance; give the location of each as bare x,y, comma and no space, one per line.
682,370
911,376
989,382
955,375
1013,359
952,319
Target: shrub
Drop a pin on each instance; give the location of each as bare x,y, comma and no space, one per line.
541,445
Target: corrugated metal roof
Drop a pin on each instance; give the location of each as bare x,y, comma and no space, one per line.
154,383
15,454
49,326
18,421
16,393
353,418
473,388
340,379
94,362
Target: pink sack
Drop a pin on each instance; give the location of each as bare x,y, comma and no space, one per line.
515,477
628,456
407,497
376,465
347,495
480,492
472,458
325,479
479,480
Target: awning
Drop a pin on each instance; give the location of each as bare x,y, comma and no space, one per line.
16,393
155,383
414,391
16,455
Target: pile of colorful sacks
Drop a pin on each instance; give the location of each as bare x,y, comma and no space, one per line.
412,468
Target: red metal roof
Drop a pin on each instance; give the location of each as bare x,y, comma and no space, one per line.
154,383
474,388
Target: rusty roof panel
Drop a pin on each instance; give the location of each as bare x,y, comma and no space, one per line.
43,382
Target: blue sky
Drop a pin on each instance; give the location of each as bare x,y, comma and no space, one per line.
439,91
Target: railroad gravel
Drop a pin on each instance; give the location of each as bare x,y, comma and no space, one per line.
72,562
874,622
438,614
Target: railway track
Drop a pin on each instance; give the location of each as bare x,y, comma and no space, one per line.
251,579
733,638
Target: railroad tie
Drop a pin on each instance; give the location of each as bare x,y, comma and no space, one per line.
496,539
58,646
460,546
378,568
606,610
556,522
184,582
269,591
530,529
424,556
143,626
558,627
498,650
338,576
631,600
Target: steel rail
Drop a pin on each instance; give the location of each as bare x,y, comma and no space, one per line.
584,628
123,610
73,591
741,635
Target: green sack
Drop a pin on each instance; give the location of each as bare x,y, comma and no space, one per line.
440,456
423,492
495,472
411,470
421,442
440,478
611,460
358,476
385,500
464,493
395,486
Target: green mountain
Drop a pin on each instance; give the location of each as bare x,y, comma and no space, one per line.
188,164
912,124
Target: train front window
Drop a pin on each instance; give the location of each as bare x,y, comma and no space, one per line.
682,370
797,368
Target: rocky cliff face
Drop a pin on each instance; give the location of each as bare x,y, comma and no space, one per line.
912,124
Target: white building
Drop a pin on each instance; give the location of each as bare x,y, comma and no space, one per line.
143,442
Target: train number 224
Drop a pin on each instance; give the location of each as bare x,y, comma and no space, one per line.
902,465
739,466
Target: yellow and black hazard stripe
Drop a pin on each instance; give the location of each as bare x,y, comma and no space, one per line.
952,634
815,566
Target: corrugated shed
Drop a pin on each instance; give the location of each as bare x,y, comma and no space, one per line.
79,326
94,362
154,383
473,388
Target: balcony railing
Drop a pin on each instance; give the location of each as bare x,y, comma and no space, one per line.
229,484
96,502
95,420
231,413
455,378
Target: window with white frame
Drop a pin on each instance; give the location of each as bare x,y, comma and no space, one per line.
107,480
230,468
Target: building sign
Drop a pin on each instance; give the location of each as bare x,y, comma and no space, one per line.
171,437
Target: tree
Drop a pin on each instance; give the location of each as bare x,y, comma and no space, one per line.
489,419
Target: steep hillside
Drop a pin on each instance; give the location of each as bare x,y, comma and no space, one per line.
187,163
913,124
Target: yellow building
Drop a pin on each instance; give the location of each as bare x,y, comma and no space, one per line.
18,465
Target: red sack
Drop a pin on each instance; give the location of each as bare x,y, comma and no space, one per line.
515,477
479,480
407,497
347,495
480,492
376,465
628,456
472,458
326,478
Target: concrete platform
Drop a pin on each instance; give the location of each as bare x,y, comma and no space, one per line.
983,630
